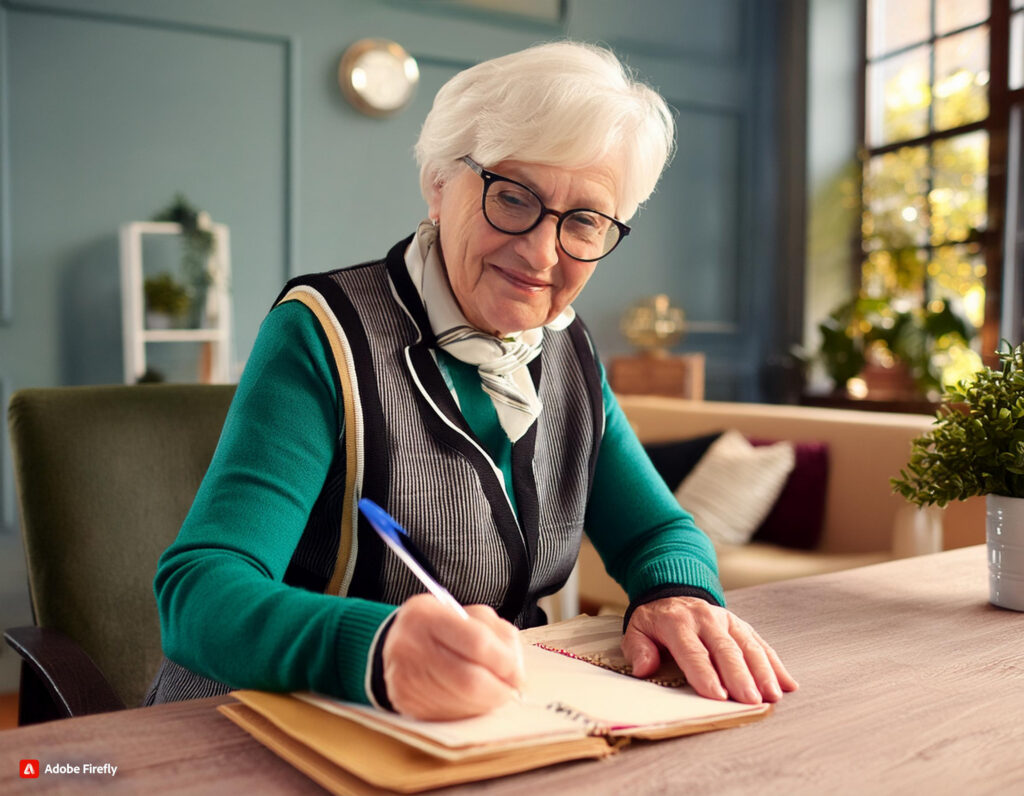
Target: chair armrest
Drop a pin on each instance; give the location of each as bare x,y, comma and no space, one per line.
58,678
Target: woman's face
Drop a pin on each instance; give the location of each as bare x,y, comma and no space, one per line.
508,283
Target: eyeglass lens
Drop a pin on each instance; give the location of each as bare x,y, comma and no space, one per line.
584,235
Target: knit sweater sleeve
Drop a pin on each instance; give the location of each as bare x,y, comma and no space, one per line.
648,543
224,610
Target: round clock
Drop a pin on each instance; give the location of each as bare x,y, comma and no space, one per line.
378,76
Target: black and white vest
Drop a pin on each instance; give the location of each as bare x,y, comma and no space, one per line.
407,446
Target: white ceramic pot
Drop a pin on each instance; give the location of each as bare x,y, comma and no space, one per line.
1004,531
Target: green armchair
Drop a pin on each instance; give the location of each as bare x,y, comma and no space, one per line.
105,477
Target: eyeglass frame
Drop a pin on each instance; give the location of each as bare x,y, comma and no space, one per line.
490,177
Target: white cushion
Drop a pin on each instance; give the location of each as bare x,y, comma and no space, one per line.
734,486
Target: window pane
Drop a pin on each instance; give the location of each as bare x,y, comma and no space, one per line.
961,79
895,200
958,199
894,24
957,274
1017,50
898,98
956,14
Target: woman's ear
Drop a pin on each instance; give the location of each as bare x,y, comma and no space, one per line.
434,200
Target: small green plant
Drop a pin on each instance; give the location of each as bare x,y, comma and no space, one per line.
199,240
165,294
976,450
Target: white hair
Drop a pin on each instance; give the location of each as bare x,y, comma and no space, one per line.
563,104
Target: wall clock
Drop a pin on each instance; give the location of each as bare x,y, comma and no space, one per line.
378,76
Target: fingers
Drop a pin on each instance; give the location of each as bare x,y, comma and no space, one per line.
782,674
694,657
741,664
641,652
673,627
720,654
502,652
438,665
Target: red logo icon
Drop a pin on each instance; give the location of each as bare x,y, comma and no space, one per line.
29,769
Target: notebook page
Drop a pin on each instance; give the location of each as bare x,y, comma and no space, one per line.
616,701
511,725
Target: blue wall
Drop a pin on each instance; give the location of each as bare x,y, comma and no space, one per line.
109,107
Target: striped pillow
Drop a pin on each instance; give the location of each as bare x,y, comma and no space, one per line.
734,486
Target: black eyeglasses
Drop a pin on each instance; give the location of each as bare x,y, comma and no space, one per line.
584,234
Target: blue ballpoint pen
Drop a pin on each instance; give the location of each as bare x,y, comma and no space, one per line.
395,537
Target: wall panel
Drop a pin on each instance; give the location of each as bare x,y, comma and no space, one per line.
132,112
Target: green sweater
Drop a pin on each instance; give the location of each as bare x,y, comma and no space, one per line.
225,612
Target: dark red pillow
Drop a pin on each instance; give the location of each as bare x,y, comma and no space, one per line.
798,517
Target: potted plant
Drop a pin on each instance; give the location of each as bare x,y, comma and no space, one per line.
897,350
977,448
167,301
199,245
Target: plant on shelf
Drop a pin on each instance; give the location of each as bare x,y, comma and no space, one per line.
167,301
901,348
199,241
977,450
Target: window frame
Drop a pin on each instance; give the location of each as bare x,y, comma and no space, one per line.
994,239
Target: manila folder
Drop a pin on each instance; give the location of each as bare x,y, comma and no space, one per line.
577,703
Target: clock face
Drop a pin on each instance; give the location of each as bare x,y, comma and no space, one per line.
378,77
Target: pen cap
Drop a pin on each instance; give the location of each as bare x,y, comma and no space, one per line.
388,526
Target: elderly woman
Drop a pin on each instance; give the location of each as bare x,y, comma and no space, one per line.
453,384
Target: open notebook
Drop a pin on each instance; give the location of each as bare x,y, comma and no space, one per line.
579,702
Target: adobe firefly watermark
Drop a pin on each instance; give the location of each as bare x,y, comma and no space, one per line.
32,769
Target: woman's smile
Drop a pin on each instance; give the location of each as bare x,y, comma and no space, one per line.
521,281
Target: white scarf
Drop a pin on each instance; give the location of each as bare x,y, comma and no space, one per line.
501,362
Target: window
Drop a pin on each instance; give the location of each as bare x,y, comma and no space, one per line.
942,90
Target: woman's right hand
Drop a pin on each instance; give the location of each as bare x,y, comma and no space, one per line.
440,666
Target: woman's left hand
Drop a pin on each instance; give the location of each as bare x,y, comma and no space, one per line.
720,654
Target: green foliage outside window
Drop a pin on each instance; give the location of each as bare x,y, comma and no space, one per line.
923,338
922,289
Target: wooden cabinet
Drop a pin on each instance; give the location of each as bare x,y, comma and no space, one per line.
672,375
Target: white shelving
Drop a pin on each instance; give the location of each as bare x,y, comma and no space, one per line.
214,361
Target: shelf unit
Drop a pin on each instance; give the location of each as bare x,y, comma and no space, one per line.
214,363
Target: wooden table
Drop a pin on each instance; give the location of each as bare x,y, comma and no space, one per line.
910,683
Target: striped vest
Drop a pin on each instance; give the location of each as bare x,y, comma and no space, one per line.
407,447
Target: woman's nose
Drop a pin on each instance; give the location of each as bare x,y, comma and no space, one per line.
539,246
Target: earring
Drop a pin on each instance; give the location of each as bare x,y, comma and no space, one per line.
433,221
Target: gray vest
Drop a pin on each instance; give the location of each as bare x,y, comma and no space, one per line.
421,461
